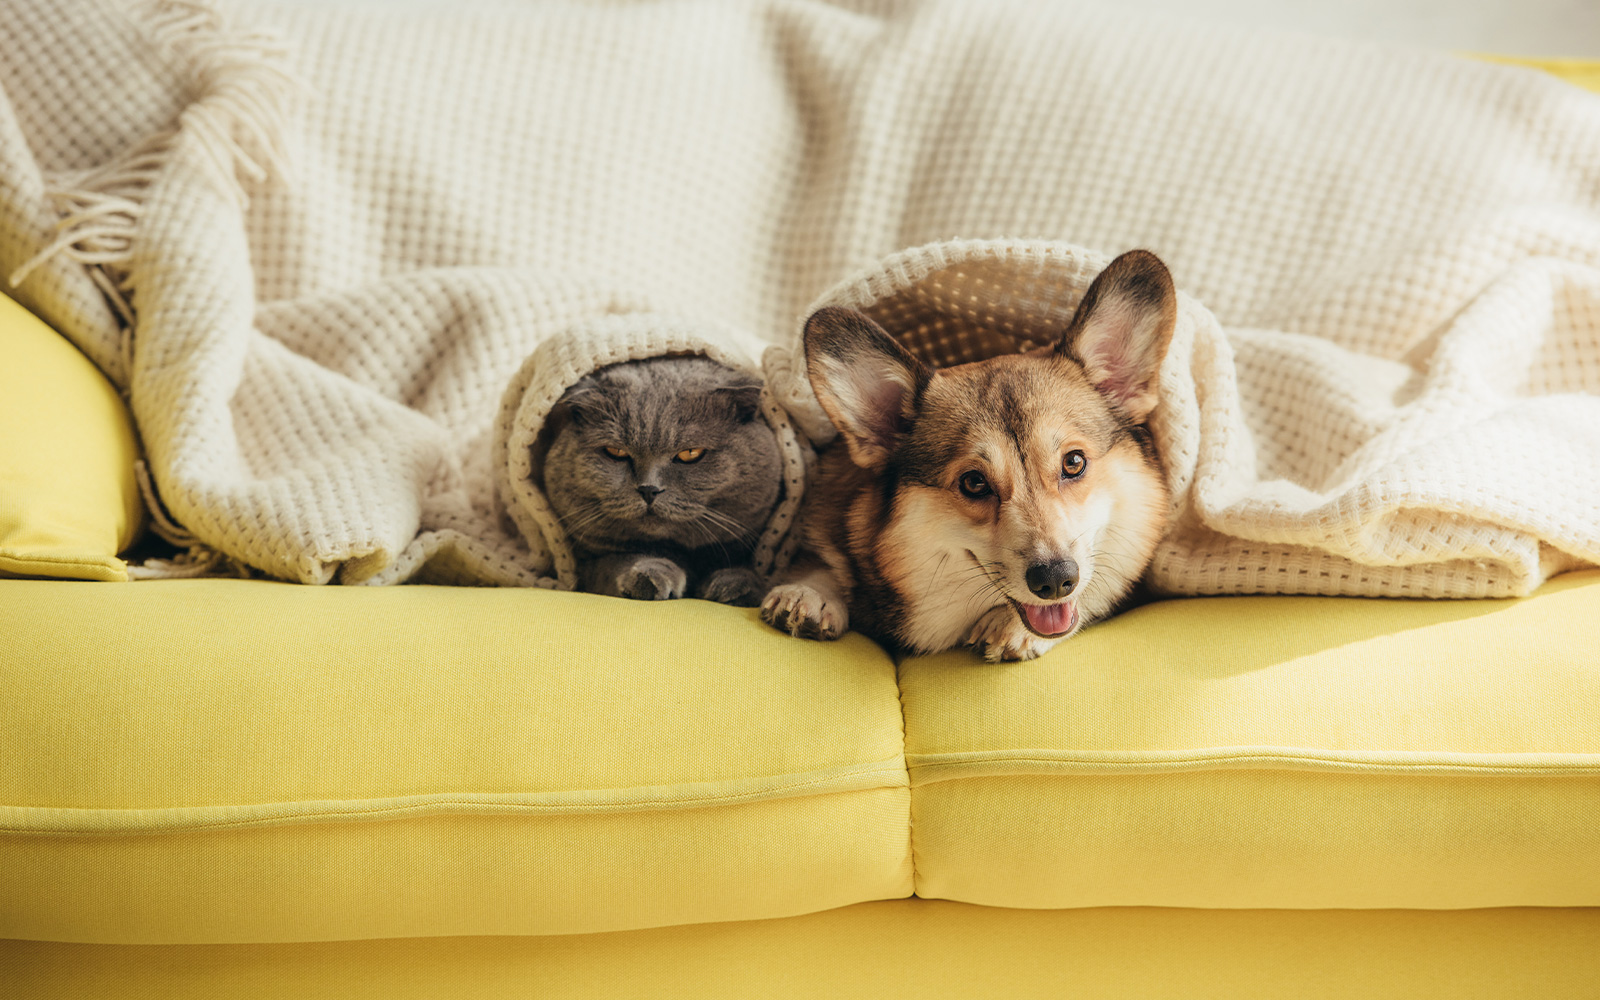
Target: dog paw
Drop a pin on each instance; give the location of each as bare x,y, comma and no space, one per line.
804,613
739,586
999,636
652,579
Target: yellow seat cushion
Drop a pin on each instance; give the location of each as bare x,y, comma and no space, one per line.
246,761
68,499
1271,752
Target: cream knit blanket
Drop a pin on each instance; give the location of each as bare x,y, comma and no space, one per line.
317,248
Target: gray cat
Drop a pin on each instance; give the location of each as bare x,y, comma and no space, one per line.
663,474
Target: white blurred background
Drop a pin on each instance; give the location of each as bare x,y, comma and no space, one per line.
1553,28
1547,28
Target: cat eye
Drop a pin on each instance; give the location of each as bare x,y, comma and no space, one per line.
1073,463
617,453
974,486
688,455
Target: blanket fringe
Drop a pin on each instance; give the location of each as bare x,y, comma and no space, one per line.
237,120
197,561
160,521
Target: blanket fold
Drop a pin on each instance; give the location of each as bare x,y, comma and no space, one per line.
1297,466
342,262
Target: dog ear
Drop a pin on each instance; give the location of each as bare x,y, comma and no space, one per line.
1122,329
865,381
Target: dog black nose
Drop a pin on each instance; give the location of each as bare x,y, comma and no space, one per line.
1053,580
649,493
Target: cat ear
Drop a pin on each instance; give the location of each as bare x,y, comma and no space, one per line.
1122,329
744,399
866,382
581,400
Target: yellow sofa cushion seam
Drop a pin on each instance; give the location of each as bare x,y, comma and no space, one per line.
64,821
926,769
86,566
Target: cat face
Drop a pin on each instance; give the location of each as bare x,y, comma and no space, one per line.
666,451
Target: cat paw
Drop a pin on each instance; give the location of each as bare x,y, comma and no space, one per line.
804,613
999,636
739,586
652,579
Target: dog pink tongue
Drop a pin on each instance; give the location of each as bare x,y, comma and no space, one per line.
1052,619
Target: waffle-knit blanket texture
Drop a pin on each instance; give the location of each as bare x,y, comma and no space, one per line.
343,262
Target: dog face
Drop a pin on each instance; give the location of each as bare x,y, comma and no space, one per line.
1021,494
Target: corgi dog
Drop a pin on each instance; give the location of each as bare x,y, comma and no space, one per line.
1001,504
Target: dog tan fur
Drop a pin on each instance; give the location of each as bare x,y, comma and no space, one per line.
1002,504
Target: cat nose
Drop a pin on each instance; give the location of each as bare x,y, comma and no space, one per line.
1052,580
649,493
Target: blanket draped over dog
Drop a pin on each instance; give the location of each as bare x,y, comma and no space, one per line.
344,262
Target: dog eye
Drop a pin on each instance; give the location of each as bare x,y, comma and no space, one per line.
1073,464
974,485
617,453
688,455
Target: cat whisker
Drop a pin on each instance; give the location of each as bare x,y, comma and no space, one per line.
732,532
739,531
581,517
592,513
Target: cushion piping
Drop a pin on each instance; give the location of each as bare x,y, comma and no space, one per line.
929,768
87,566
63,821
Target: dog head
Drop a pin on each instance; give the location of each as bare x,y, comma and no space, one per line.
1025,479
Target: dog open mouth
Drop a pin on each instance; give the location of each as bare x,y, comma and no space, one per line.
1048,621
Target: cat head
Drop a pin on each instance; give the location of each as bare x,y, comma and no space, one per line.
667,450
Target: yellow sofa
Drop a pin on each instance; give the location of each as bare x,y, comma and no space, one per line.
217,788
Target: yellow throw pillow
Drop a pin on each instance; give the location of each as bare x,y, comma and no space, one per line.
1584,73
69,502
